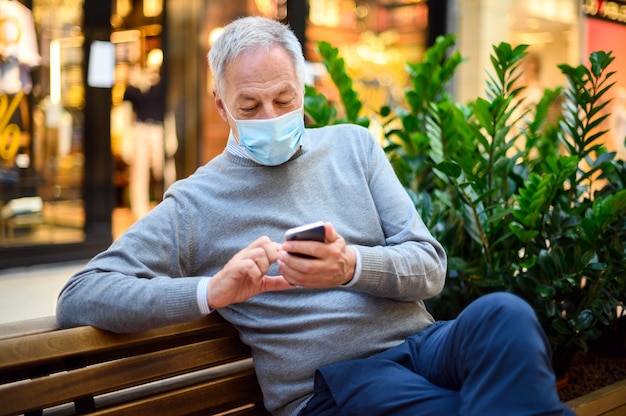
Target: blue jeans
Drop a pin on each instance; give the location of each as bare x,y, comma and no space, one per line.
494,359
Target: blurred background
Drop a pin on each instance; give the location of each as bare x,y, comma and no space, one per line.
104,104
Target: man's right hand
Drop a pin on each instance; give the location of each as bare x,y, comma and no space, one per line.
244,276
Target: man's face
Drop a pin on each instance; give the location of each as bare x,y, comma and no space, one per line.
260,85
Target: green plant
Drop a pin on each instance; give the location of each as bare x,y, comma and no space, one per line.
318,109
521,204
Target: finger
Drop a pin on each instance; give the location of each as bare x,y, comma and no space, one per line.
260,258
287,273
248,269
275,283
262,251
270,248
302,276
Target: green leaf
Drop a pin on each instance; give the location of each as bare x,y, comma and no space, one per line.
597,266
545,291
522,234
336,68
449,168
584,320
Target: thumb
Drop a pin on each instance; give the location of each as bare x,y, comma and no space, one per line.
329,233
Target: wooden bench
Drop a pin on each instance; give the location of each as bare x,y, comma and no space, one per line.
196,368
607,401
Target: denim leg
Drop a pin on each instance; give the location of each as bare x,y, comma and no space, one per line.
377,387
493,359
496,354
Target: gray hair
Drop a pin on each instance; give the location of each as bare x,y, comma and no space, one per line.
248,33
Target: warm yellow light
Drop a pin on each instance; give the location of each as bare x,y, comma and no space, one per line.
125,36
266,7
123,7
324,12
533,24
55,71
152,8
155,58
214,34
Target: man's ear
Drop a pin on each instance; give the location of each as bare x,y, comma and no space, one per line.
219,104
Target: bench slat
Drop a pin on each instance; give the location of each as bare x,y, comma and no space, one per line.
195,368
28,327
609,400
251,410
62,387
207,398
36,349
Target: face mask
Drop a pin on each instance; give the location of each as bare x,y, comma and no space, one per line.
273,141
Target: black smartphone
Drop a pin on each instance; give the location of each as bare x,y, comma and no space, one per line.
307,232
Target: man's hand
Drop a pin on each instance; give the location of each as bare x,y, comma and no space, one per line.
244,275
333,263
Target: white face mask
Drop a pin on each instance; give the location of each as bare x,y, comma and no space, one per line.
273,141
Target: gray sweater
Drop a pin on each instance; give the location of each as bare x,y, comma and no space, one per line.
148,277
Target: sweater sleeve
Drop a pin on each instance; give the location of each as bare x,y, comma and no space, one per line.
138,283
411,265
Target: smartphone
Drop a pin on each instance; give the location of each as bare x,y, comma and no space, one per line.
308,232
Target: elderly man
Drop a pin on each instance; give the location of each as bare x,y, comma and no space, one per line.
343,329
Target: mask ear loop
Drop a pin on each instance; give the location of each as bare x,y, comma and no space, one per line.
236,136
228,112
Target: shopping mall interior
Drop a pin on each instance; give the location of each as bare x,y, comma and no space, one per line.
81,77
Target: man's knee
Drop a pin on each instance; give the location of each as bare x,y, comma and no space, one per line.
502,318
503,305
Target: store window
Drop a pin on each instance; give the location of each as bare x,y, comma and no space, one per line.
143,150
41,127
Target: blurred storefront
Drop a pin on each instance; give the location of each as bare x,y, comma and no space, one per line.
54,173
67,120
551,28
80,77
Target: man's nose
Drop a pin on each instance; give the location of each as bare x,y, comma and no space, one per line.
268,112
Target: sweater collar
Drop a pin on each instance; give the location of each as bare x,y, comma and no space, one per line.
233,149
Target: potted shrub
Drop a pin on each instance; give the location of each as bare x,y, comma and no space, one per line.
521,202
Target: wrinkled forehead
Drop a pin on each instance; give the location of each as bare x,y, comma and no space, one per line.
255,70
